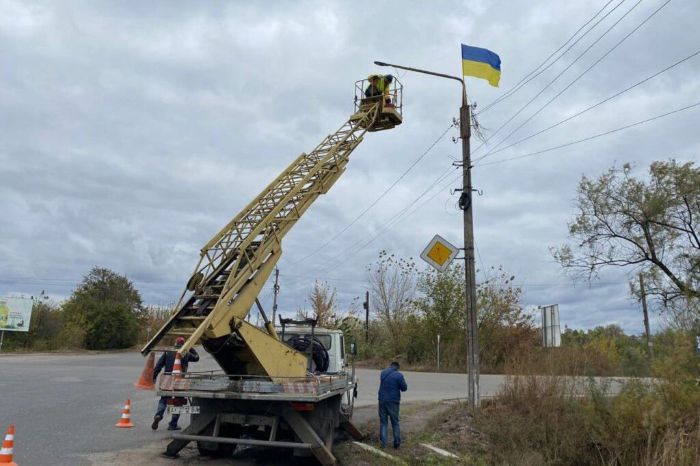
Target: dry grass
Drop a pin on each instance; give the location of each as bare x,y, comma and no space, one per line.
557,420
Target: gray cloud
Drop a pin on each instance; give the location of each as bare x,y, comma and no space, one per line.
130,133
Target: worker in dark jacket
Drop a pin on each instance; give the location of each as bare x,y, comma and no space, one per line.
391,384
167,361
379,85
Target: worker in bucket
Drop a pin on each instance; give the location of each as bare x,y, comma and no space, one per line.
167,361
391,384
379,85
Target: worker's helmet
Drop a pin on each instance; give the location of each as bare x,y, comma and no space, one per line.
179,341
389,78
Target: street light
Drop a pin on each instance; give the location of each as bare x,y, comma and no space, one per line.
465,203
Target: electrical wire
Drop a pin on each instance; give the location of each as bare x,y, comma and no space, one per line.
404,213
531,154
546,104
359,245
607,99
376,201
536,72
549,84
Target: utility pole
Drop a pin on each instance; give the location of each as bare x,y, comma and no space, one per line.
275,290
643,298
438,352
465,203
366,306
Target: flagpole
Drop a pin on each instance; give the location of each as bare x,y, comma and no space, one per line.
465,203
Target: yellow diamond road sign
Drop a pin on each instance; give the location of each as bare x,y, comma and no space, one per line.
439,253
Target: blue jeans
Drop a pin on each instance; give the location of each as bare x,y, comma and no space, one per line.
162,403
389,409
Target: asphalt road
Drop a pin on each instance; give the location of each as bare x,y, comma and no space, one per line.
65,406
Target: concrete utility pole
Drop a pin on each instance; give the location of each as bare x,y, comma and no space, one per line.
438,352
465,203
365,305
643,298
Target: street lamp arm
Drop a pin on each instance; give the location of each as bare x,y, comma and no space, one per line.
417,70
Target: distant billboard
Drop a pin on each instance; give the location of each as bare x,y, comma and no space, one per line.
551,332
15,314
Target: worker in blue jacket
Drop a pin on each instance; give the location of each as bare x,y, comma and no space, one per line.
391,384
167,361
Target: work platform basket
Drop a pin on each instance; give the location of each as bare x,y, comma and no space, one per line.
390,101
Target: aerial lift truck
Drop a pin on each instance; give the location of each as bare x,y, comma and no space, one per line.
273,390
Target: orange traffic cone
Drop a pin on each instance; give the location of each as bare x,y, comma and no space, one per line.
145,382
177,367
125,420
7,447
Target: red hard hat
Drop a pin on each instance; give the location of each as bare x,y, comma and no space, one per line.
180,341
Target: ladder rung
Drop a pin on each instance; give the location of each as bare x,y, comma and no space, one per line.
163,348
192,318
180,333
206,296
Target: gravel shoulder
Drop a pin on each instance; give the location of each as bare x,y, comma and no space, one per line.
415,417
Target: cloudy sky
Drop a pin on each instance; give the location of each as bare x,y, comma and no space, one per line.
130,132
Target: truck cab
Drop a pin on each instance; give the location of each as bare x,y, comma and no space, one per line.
332,340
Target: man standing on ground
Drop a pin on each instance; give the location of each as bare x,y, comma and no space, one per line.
167,361
391,384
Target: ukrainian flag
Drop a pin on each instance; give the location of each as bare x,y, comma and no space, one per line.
481,63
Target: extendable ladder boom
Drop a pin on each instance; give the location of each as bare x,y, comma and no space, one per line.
237,261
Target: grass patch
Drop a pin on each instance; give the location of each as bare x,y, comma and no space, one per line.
442,424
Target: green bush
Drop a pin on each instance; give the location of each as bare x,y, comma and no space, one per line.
105,310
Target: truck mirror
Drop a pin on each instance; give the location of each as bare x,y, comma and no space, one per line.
353,348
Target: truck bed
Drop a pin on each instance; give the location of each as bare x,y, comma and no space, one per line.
219,385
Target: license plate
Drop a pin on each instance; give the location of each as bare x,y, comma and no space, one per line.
183,409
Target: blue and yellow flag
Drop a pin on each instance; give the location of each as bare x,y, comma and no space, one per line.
481,63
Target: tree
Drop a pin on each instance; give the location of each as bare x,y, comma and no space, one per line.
651,224
45,327
322,299
505,330
392,284
107,308
442,302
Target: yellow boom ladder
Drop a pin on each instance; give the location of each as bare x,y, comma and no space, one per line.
237,261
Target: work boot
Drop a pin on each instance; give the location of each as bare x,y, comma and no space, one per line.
156,419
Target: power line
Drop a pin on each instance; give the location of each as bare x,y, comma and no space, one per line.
549,84
407,208
531,154
617,94
404,213
534,73
376,201
362,243
583,73
325,279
